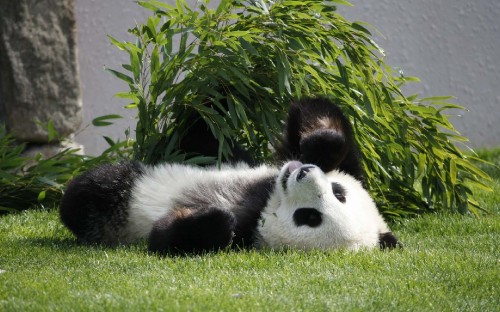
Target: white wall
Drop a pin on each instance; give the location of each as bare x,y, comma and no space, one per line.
452,45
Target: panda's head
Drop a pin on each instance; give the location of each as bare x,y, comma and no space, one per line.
312,209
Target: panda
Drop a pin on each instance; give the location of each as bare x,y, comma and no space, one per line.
312,198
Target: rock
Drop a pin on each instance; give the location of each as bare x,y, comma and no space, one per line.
38,68
49,150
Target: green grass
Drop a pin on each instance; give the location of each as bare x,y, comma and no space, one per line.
450,263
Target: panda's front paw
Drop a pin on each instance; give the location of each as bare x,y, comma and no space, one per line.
191,231
325,148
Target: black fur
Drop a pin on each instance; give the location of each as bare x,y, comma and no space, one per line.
307,216
95,204
192,231
389,241
339,192
317,132
250,206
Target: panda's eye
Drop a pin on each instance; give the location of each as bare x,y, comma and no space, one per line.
339,192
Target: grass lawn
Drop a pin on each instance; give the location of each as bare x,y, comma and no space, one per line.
450,263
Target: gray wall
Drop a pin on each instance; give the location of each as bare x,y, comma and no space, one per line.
95,20
453,46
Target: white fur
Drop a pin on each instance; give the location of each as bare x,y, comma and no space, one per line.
352,225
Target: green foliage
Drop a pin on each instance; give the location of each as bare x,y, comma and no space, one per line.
254,57
26,182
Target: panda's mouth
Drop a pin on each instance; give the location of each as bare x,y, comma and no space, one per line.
292,167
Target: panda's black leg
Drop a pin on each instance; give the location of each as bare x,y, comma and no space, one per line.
192,231
95,204
317,132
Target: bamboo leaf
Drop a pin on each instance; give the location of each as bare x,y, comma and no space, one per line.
121,76
453,171
41,196
103,121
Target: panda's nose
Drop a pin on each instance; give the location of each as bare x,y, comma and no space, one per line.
303,171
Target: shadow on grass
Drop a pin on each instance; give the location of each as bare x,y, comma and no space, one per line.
61,244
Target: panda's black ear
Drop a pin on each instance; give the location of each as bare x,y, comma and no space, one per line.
389,241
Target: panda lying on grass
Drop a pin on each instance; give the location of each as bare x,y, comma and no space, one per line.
316,200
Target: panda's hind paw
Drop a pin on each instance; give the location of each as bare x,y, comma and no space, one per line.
325,148
192,231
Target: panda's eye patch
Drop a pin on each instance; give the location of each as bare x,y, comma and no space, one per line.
339,192
307,216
